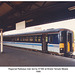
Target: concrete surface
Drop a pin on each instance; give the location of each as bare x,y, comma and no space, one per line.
20,57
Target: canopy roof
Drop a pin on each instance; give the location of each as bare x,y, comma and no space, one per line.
34,13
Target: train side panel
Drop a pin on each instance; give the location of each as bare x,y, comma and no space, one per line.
59,42
53,48
36,46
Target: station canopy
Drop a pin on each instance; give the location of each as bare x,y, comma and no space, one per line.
34,13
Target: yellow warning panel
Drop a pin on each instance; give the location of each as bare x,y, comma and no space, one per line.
61,45
68,47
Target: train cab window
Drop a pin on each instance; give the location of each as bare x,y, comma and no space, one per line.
35,38
62,37
39,38
31,38
61,40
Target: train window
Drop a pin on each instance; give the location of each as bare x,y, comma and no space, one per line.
39,38
12,39
46,39
62,36
53,39
26,38
50,38
35,38
17,38
23,38
31,38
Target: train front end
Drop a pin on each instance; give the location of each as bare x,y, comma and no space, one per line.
67,42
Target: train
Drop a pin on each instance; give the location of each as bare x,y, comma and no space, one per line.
57,41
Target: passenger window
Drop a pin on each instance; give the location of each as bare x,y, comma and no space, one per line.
46,39
35,38
50,39
23,38
12,39
39,38
17,38
26,38
31,38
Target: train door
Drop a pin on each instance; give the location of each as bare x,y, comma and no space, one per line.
64,40
70,42
67,40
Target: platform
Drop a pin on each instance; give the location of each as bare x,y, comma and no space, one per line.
21,57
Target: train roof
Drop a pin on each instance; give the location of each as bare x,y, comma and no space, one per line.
35,32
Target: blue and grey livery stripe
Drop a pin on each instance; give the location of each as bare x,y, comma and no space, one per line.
34,44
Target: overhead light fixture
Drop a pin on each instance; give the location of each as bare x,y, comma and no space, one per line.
9,26
29,20
71,8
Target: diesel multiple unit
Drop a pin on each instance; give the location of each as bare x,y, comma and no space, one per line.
59,41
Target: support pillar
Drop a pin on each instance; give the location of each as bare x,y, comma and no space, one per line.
1,41
44,44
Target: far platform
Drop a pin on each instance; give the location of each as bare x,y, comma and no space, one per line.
21,57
